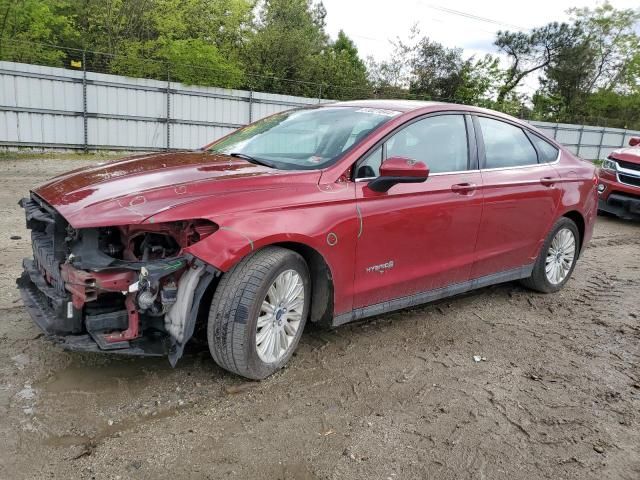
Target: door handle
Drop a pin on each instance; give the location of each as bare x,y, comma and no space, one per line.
549,181
463,188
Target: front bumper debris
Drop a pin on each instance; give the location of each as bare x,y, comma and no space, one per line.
86,300
49,320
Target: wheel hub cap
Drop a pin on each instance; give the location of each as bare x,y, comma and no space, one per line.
280,316
561,255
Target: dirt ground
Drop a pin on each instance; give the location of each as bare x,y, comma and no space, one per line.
557,394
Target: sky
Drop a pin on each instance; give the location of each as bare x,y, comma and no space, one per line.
373,23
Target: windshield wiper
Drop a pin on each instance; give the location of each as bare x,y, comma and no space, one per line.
251,159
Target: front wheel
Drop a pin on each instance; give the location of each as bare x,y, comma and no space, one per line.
557,258
258,312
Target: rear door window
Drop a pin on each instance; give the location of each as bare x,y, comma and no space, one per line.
506,145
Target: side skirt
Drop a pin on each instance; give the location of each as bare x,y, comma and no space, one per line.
432,295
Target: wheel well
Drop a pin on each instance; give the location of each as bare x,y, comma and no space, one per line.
321,308
578,219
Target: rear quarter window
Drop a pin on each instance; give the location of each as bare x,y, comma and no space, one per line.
548,152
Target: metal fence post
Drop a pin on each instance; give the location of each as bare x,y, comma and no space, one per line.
85,123
580,140
600,145
168,108
250,105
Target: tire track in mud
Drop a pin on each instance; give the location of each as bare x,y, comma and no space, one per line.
595,296
613,241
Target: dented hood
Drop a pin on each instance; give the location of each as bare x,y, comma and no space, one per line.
132,189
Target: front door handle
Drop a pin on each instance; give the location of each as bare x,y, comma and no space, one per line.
463,188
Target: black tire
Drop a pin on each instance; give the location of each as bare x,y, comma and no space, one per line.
233,316
538,280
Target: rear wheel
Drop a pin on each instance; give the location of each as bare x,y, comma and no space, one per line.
258,312
557,258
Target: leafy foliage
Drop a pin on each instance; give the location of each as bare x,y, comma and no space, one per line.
30,24
595,74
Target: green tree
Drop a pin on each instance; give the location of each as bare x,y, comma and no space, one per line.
193,41
479,81
343,73
529,52
27,27
436,71
612,35
287,37
596,73
422,68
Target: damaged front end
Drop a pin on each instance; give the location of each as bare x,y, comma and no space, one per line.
127,290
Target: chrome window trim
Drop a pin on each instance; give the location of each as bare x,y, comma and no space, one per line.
533,165
539,164
543,164
437,174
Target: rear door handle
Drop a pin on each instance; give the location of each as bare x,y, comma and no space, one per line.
463,188
549,181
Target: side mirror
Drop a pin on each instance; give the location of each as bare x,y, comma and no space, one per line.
399,170
633,141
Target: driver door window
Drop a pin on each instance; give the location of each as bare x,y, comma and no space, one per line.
440,142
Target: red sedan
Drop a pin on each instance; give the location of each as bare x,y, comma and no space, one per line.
326,214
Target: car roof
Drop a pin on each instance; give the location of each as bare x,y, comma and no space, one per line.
411,105
399,105
405,106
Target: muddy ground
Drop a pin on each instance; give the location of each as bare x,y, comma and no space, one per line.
399,396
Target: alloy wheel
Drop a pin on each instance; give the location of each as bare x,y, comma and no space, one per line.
560,256
280,316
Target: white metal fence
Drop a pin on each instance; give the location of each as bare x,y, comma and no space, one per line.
51,107
59,108
590,143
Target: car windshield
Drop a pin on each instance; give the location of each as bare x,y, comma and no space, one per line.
303,139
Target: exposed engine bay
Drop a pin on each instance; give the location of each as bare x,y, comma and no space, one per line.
130,289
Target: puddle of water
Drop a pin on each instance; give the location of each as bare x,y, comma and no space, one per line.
113,376
109,430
